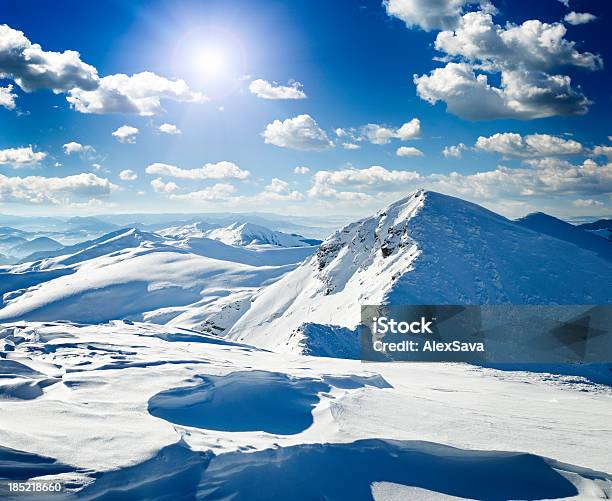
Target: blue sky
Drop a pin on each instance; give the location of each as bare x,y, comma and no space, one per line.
249,91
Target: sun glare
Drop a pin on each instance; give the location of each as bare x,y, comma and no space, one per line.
212,62
212,54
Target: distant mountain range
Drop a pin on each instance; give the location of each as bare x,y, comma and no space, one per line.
286,292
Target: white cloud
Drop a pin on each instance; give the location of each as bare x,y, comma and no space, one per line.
21,157
603,150
33,68
350,146
526,56
160,187
587,202
565,2
52,190
522,95
266,90
533,145
299,133
280,190
216,193
301,170
431,14
171,129
7,97
375,178
140,93
219,170
576,18
408,151
454,151
84,150
532,45
126,134
546,178
128,175
379,134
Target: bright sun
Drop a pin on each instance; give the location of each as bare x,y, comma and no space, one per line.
212,62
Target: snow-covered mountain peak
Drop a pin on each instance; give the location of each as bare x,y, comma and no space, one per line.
426,248
253,234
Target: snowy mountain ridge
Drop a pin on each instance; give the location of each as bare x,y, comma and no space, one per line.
426,248
238,234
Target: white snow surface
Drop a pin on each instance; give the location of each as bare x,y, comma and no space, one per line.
86,396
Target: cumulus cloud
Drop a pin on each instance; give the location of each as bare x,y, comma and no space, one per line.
454,151
216,193
171,129
378,134
140,93
527,57
587,202
126,134
83,150
551,177
532,45
603,150
299,133
576,18
350,146
266,90
128,175
522,95
30,67
7,97
301,170
219,170
431,14
160,187
52,190
408,151
533,145
336,184
280,190
21,157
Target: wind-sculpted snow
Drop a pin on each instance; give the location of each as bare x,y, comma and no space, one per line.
347,471
21,465
237,422
227,403
427,248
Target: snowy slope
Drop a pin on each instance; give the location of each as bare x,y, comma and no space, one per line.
134,274
427,248
120,411
131,282
556,228
111,242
